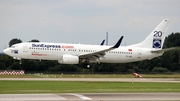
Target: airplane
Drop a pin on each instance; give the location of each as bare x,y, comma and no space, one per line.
66,53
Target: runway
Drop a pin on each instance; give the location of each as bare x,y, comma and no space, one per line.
92,96
171,80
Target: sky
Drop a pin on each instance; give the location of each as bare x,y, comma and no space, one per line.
84,21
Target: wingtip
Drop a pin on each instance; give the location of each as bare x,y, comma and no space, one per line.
118,43
102,42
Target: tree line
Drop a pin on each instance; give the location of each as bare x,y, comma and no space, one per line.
168,62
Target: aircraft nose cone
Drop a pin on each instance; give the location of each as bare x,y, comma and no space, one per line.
6,51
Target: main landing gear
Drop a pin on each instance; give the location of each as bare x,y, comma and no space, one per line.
86,65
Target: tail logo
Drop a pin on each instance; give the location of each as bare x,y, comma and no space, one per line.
156,43
157,39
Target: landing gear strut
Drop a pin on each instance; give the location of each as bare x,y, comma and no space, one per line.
20,62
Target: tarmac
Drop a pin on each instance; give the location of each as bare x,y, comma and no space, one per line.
93,97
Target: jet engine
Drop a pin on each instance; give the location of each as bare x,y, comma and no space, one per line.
69,59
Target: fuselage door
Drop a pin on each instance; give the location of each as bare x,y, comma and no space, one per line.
139,53
25,48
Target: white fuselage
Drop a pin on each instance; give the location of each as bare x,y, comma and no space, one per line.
55,51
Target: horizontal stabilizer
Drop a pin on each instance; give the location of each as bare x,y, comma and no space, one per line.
162,50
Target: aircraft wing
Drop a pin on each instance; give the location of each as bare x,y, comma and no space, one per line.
98,54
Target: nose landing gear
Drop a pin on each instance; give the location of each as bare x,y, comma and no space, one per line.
20,62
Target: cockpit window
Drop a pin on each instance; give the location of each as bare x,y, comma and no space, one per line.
12,47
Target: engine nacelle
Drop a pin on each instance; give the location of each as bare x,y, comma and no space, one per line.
69,59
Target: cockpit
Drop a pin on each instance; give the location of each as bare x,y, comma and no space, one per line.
14,46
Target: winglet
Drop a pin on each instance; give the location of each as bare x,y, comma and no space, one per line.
118,43
102,43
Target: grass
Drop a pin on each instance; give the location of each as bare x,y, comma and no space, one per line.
90,76
21,87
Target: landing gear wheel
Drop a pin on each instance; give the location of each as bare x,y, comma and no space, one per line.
87,66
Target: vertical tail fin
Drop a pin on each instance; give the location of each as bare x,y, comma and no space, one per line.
156,38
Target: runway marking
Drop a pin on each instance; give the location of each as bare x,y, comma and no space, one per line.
81,96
